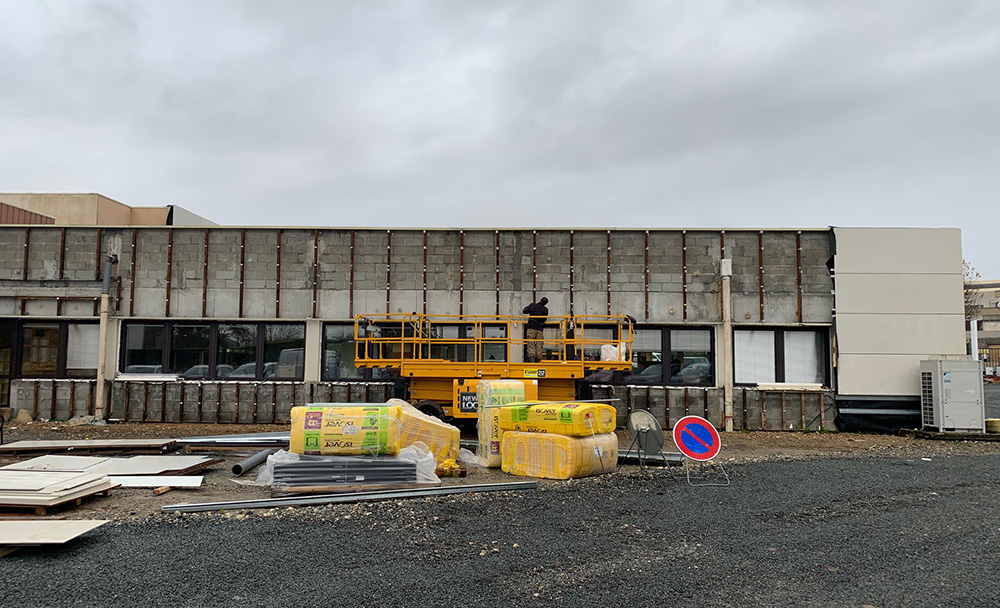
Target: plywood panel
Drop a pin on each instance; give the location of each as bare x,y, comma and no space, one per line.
45,532
56,462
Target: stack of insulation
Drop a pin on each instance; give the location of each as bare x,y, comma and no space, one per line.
558,440
491,395
339,429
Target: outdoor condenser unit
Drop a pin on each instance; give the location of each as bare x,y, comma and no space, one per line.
951,396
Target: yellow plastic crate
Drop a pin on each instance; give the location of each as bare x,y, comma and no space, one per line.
575,419
558,456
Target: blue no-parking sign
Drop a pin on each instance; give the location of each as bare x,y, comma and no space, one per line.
696,438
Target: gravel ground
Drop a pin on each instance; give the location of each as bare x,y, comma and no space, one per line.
855,531
991,394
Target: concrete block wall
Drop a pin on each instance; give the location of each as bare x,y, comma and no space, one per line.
232,402
753,409
657,276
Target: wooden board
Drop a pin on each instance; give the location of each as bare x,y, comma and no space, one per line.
156,481
154,446
36,481
154,465
54,462
45,532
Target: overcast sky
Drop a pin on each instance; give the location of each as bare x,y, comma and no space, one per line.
536,113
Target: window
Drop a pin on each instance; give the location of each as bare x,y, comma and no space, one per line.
338,353
797,356
143,348
82,349
40,349
58,350
285,346
691,360
237,349
754,351
190,350
215,350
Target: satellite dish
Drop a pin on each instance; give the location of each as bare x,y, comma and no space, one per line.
646,434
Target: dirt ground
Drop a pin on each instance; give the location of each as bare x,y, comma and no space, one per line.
221,485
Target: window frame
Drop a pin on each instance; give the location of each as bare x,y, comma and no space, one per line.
778,332
365,372
619,378
62,348
213,346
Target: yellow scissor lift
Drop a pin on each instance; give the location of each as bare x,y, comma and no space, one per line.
443,357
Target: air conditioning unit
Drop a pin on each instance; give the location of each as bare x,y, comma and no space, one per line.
951,396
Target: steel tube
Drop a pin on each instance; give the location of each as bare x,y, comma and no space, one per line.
247,464
327,499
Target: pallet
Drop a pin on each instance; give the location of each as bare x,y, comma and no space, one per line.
42,510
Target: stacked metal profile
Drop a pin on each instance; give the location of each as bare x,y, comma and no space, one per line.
338,473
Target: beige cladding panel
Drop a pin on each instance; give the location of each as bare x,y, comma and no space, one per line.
901,334
879,374
899,293
898,250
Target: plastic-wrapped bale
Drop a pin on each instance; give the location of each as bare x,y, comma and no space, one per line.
575,419
440,437
492,393
342,428
558,456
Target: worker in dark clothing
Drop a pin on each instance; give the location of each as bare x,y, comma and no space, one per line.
537,314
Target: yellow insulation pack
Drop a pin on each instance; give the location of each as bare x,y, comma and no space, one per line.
493,393
575,419
558,456
414,425
342,428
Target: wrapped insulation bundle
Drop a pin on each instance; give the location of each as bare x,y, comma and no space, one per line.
493,393
414,425
344,429
574,419
558,456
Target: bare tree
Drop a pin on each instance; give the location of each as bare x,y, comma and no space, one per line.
973,297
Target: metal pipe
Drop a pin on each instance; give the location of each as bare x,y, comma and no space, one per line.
248,464
329,499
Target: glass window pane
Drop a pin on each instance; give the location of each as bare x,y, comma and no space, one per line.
338,353
236,356
143,348
82,350
805,357
284,345
445,343
691,357
40,351
647,357
189,350
754,352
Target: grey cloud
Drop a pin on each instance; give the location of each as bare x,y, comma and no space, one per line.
454,113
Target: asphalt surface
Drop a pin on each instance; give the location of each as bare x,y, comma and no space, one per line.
833,532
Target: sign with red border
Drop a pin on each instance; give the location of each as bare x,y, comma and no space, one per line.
697,438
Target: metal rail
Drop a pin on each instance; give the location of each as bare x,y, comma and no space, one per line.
329,499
